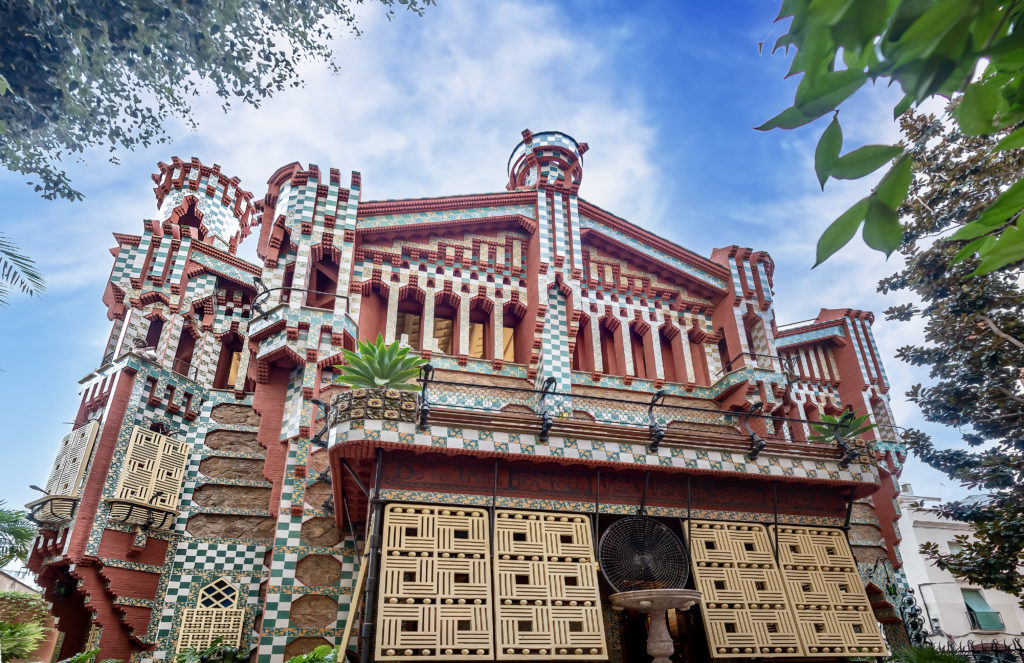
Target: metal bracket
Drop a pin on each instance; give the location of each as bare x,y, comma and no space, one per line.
655,431
546,422
757,443
318,439
426,375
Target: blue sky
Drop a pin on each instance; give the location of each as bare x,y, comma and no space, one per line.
666,94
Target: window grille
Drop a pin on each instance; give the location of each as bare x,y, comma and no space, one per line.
217,615
72,457
151,479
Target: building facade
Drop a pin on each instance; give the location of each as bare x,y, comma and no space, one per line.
956,612
219,482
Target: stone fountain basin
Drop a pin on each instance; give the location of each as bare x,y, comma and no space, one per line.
655,600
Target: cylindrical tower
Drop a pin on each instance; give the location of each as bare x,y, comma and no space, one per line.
546,160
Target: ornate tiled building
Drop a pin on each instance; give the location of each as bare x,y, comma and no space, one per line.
220,482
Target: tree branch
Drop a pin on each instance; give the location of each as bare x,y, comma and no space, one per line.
999,332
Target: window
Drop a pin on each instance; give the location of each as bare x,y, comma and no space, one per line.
981,615
481,329
183,355
639,344
156,327
373,311
515,346
583,350
410,317
613,361
229,361
286,282
446,324
216,615
955,548
323,280
671,350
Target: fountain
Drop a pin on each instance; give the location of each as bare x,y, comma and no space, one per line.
656,603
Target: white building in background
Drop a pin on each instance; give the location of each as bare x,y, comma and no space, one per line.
954,610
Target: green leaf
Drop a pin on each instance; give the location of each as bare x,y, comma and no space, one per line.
1007,250
882,229
791,118
841,231
1011,142
970,249
819,95
977,109
1005,207
893,188
827,152
863,160
901,108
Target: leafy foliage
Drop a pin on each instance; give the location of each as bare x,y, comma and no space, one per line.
16,535
926,654
89,657
322,654
77,75
379,365
973,342
18,640
216,652
17,271
971,50
23,606
831,426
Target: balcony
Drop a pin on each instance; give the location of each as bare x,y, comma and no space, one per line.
52,510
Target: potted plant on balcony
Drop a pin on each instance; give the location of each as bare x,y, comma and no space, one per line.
383,385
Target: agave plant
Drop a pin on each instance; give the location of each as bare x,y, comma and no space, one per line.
380,365
853,427
89,657
20,640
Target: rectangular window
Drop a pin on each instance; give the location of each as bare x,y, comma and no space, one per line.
508,345
476,340
443,328
981,614
408,326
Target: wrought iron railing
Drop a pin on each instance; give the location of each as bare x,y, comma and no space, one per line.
996,651
554,408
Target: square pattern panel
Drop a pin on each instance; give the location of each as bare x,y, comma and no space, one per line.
827,594
435,594
744,606
545,585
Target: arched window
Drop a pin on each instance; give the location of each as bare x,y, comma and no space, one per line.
516,341
156,328
641,350
481,328
583,350
671,343
373,310
613,360
409,321
446,323
323,277
183,355
230,358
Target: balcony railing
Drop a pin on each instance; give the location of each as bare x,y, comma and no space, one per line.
185,368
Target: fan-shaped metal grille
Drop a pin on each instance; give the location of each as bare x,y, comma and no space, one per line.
641,553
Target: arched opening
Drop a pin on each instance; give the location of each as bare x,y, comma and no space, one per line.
286,282
515,346
723,353
481,328
641,350
583,350
183,355
613,359
373,311
231,346
156,328
446,323
409,321
323,279
670,341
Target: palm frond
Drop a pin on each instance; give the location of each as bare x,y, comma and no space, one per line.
17,272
